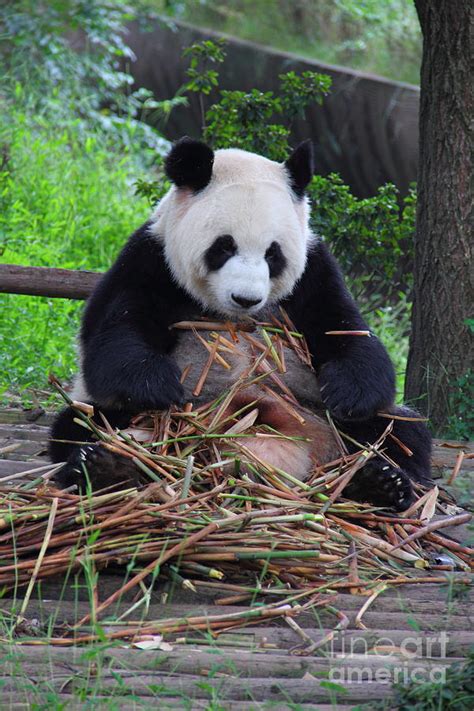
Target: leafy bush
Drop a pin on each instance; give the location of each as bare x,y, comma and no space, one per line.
71,143
372,237
65,59
456,693
461,417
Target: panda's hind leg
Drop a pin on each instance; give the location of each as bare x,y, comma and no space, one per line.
87,461
409,447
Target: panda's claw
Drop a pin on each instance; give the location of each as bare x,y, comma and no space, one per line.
382,485
95,465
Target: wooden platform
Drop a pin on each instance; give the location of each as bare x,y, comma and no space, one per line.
414,629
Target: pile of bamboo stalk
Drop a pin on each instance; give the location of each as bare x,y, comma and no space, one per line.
201,519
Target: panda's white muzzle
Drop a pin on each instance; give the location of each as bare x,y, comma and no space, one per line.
242,285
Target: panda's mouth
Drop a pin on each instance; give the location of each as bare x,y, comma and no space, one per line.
238,313
242,310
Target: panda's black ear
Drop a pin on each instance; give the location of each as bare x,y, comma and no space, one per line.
189,164
300,166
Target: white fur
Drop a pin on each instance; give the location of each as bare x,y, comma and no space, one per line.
249,198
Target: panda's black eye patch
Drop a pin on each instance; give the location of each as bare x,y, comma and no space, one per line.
275,259
222,249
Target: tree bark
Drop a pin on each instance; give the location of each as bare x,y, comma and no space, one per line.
441,342
47,281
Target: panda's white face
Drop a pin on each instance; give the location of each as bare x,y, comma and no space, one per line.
240,243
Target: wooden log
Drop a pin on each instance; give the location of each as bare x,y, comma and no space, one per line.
37,433
45,281
357,641
205,662
73,610
14,416
225,688
445,617
15,466
24,700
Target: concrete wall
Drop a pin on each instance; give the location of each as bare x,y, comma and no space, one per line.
366,129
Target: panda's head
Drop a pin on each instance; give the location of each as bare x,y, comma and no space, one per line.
235,225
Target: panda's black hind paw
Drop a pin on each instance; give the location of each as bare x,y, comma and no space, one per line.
380,484
94,464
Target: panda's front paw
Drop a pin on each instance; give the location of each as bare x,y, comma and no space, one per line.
168,389
380,484
349,393
97,466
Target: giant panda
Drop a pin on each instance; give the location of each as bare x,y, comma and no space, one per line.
231,240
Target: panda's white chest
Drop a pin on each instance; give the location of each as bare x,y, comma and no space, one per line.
212,361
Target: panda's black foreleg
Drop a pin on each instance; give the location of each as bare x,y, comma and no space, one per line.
87,461
378,482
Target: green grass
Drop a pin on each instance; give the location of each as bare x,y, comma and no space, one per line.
66,200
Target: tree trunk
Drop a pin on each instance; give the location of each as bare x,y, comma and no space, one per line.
441,341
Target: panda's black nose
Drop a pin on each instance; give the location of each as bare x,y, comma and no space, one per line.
245,303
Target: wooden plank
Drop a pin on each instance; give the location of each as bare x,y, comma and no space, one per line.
45,281
21,448
444,457
445,453
112,579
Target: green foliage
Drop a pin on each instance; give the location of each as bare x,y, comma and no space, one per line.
64,203
461,419
70,142
201,79
372,237
256,120
66,58
455,694
248,120
381,37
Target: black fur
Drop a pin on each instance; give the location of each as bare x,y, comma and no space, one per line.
125,332
300,166
65,433
382,485
189,164
275,259
378,481
355,374
95,465
220,251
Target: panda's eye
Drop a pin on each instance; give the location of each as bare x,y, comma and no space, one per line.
222,249
275,260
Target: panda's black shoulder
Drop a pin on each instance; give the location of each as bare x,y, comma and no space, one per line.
323,276
139,281
140,259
